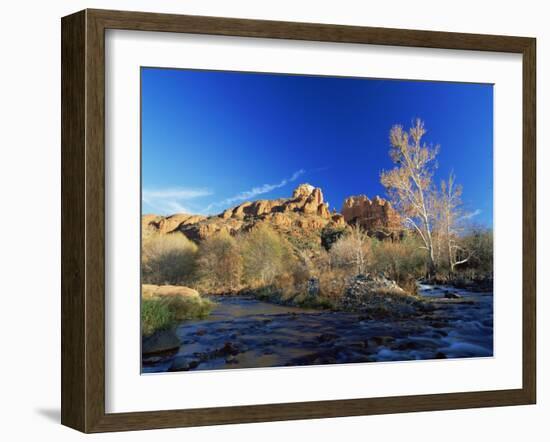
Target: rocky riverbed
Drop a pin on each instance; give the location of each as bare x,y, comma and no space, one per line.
243,332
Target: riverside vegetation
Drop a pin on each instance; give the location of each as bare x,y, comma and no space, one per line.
409,265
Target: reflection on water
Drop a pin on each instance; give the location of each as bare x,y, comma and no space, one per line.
245,333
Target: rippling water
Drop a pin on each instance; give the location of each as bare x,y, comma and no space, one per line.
245,333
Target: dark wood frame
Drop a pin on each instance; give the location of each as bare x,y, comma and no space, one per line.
83,220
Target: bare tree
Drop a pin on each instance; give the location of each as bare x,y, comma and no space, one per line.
352,250
450,219
409,184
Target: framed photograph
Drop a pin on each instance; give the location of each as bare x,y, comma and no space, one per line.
267,220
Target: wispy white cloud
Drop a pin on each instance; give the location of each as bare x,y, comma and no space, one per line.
471,215
255,191
175,193
172,200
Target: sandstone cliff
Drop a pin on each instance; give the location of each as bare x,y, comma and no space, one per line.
168,224
376,215
300,217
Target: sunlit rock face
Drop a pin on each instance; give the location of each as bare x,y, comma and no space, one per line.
305,190
301,215
167,224
305,199
372,215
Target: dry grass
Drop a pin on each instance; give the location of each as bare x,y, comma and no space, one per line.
332,284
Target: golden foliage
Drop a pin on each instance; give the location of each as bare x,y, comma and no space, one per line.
168,259
220,263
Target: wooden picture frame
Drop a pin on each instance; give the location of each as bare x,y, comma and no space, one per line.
83,220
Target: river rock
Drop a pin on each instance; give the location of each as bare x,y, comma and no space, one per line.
228,349
160,342
183,363
378,296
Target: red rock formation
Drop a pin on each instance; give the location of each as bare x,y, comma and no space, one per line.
169,224
305,199
302,214
375,215
338,220
303,191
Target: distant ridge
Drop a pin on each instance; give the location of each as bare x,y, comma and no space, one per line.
303,215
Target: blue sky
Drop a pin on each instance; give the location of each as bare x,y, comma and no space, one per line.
213,139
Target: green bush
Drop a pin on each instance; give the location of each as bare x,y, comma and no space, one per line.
155,316
164,312
184,308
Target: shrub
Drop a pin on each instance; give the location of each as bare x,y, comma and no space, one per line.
480,243
220,264
168,259
266,256
352,252
403,261
303,269
332,285
331,234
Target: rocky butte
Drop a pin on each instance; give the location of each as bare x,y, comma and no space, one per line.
376,216
301,216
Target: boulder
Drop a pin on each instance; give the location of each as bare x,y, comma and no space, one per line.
160,342
183,363
167,290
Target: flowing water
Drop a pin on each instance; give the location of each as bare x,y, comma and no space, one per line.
244,332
